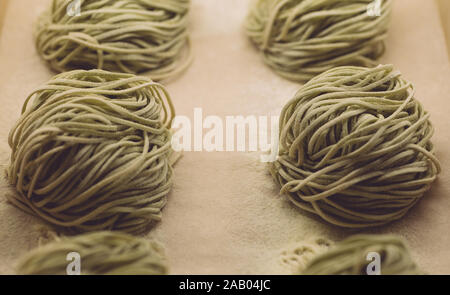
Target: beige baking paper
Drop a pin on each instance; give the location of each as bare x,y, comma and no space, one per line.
444,9
224,214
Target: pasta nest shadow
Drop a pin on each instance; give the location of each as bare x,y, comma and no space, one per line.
99,253
357,255
302,38
91,152
355,147
121,36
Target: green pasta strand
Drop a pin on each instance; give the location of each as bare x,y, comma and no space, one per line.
355,147
91,152
100,253
302,38
350,257
122,36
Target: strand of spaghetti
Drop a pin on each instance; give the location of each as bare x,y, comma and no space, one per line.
355,147
100,253
302,38
353,255
92,151
121,36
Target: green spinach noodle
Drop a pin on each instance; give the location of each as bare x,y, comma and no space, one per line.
302,38
100,253
350,257
92,150
122,36
355,147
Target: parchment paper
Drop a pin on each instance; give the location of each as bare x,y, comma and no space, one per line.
224,214
444,9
